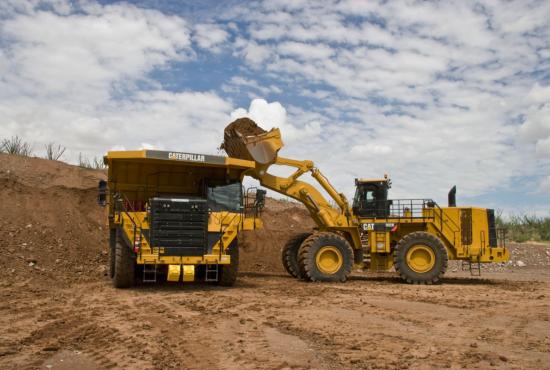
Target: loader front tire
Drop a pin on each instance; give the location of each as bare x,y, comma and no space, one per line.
125,266
325,256
420,258
289,254
228,273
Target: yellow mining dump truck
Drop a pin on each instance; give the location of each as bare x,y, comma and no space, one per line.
415,236
176,216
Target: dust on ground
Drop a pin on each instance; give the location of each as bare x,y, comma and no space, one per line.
58,309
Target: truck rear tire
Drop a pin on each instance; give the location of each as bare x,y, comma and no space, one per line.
112,252
420,258
325,256
289,254
125,266
228,273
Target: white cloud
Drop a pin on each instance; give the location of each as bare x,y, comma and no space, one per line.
73,79
435,96
210,36
305,51
435,93
544,185
269,115
88,55
371,148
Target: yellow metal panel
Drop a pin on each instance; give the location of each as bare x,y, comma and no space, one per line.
379,241
251,223
241,163
125,154
174,272
188,272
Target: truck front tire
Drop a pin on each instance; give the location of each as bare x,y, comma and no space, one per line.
125,266
228,273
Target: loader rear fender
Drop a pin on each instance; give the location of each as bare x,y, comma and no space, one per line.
351,234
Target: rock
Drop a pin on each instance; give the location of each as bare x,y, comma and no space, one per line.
520,264
31,264
50,348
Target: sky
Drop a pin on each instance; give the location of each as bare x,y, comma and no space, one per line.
434,94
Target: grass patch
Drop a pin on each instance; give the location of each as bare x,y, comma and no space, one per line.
525,227
16,146
54,152
94,164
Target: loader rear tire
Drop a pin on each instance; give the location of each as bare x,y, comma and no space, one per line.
420,258
125,266
325,256
228,273
289,254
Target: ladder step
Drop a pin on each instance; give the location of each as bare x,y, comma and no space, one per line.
149,273
473,267
212,272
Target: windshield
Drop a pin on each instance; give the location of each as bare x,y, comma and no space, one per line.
225,197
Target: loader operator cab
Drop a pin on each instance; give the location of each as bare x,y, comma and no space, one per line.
371,198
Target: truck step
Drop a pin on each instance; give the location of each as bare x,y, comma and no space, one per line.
212,272
473,267
149,273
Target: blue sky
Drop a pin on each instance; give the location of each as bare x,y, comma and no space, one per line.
433,93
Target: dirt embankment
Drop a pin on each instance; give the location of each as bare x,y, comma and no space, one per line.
50,225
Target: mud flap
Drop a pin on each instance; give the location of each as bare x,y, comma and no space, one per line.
174,272
188,272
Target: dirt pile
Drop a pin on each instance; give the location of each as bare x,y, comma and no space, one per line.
232,142
260,249
50,225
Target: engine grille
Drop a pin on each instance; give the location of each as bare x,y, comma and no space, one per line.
179,225
493,241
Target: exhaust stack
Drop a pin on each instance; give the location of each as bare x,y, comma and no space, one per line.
452,197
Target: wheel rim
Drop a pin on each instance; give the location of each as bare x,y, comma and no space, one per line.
329,260
421,258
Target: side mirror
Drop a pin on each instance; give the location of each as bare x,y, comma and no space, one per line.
102,193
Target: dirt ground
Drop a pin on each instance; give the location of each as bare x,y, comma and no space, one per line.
58,309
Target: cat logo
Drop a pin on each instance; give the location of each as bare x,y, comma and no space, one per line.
186,157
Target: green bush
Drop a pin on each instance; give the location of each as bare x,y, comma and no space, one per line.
523,228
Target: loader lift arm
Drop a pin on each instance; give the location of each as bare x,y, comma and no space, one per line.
244,139
324,215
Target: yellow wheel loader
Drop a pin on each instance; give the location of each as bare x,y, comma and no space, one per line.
415,236
176,216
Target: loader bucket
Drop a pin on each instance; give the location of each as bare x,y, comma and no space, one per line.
244,139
